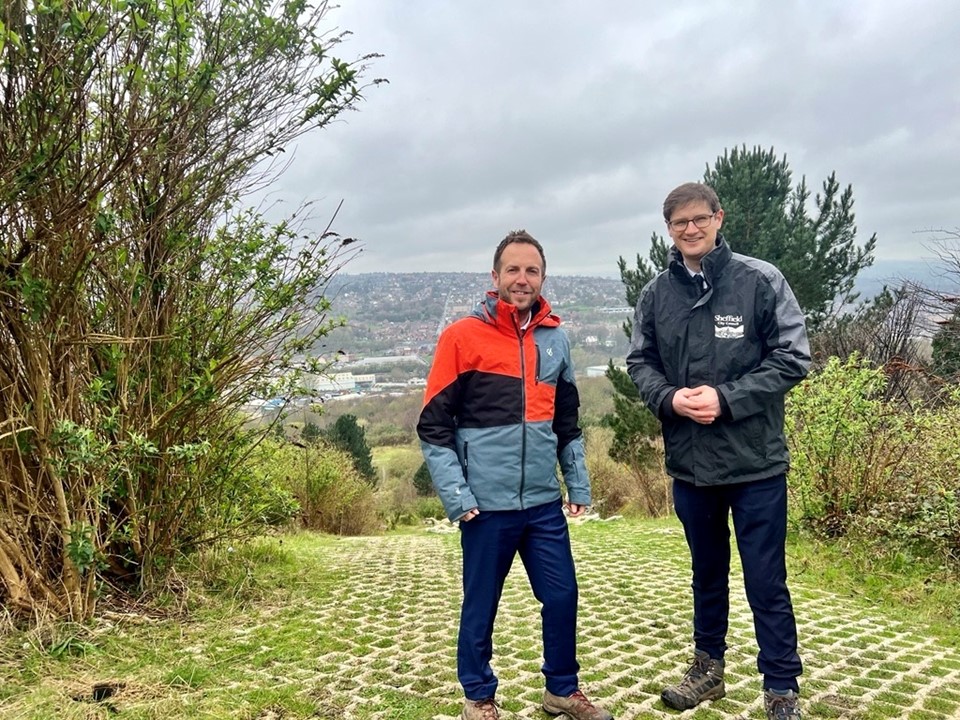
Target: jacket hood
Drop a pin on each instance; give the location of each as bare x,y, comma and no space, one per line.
494,311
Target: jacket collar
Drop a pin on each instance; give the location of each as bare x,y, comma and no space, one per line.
711,266
494,311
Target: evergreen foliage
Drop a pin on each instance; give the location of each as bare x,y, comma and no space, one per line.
767,218
634,280
633,425
348,435
311,433
422,481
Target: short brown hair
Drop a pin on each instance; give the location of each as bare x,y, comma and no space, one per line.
519,236
689,193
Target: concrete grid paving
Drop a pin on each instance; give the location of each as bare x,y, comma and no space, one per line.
396,624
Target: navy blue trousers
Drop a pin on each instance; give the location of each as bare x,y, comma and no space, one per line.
759,512
490,541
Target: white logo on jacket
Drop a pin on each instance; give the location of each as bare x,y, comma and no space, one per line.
728,327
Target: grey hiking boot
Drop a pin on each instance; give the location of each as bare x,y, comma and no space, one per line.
702,681
575,706
781,707
486,709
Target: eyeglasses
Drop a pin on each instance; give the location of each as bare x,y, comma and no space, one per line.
701,221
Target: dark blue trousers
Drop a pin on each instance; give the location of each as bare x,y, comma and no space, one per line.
759,512
490,541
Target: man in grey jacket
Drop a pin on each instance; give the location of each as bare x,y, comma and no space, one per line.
718,341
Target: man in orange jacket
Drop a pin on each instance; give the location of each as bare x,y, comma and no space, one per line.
500,411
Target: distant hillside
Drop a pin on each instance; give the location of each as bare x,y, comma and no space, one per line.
398,313
426,295
402,313
405,296
408,295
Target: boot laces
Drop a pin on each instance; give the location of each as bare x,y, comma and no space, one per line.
699,668
489,708
581,700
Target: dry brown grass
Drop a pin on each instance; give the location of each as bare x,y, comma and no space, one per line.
621,490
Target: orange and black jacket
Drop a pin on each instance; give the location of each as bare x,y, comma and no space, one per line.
501,410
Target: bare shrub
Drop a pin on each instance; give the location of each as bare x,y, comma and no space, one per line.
890,331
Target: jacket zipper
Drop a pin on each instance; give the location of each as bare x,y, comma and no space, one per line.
523,411
466,461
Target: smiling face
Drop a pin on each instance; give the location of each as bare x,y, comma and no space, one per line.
694,242
520,276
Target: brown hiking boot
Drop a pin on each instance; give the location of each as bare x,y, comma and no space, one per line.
702,681
575,706
486,709
781,707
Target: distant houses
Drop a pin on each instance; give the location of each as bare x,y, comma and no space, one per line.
386,360
601,370
341,382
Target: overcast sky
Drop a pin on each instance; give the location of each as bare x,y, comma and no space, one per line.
574,119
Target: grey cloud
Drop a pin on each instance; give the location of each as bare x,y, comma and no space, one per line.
573,121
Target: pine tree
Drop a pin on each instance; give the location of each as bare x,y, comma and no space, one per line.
311,433
422,481
765,217
348,435
635,280
633,425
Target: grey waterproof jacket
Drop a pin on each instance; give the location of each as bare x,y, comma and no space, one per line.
744,336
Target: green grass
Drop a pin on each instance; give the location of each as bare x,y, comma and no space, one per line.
307,626
918,592
391,456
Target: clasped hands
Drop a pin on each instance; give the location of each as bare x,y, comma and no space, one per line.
700,404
